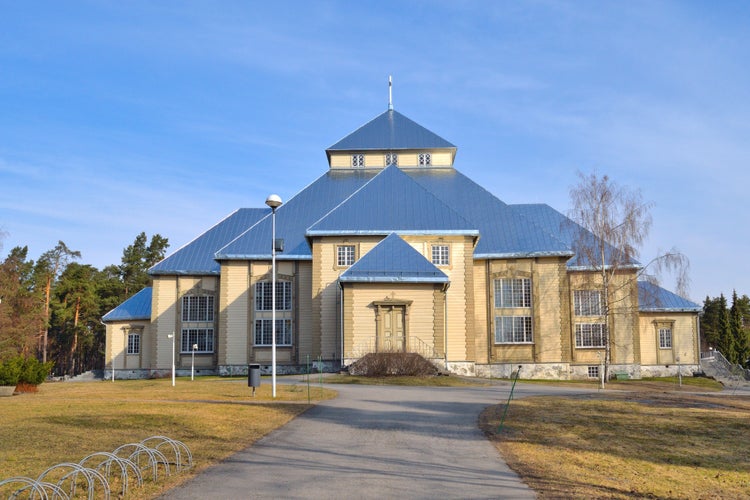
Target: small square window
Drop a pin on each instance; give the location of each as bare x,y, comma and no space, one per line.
345,255
425,159
358,161
440,255
593,372
391,159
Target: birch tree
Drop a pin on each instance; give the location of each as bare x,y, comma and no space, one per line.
617,221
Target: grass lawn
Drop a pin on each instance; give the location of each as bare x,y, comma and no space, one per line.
214,417
650,441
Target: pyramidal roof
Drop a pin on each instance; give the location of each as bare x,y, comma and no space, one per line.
392,202
390,131
394,260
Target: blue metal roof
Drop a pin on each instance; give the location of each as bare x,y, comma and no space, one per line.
136,307
392,202
566,230
393,260
503,232
197,257
390,131
653,298
295,216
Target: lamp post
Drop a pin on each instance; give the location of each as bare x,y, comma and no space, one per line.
192,363
273,201
171,336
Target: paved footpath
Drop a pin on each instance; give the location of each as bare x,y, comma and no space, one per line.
373,442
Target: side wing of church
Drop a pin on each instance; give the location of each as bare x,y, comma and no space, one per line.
394,249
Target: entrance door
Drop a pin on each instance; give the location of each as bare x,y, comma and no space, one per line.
392,338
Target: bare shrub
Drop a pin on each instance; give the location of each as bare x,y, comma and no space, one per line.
392,364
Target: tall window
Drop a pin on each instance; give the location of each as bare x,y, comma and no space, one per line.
587,302
424,159
134,343
513,292
440,255
263,293
513,329
263,314
358,161
665,338
198,308
197,323
345,255
591,335
264,335
513,321
202,337
391,159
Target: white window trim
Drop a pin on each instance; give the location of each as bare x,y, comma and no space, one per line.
662,338
284,332
443,255
526,323
206,345
579,333
133,347
343,257
525,293
358,160
588,303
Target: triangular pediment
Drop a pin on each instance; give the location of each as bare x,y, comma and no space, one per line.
393,260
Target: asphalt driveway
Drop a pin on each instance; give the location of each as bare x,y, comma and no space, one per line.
373,442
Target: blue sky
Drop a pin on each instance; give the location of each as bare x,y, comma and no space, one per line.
164,117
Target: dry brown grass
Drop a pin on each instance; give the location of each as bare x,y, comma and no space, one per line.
627,444
64,422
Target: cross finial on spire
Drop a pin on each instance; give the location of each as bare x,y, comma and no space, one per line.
390,93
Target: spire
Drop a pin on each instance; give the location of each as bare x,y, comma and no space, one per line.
390,93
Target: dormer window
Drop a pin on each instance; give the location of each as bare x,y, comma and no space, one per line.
358,161
425,159
391,159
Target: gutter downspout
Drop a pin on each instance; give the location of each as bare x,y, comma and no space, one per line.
341,322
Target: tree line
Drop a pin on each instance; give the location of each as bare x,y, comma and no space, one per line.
51,308
727,328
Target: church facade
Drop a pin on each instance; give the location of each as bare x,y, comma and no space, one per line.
394,249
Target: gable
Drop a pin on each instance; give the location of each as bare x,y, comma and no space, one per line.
393,260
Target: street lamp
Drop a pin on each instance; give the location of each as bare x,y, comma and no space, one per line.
192,363
171,336
273,201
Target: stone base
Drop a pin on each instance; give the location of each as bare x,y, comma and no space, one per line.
7,390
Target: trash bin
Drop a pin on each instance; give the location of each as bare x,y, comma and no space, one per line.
253,376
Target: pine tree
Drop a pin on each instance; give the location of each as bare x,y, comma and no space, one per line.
725,339
738,332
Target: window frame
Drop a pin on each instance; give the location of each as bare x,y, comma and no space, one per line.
588,303
424,159
195,311
601,334
286,332
516,335
443,255
524,293
346,255
390,158
261,295
204,337
666,338
133,346
358,160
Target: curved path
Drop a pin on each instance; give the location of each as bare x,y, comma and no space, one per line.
374,442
